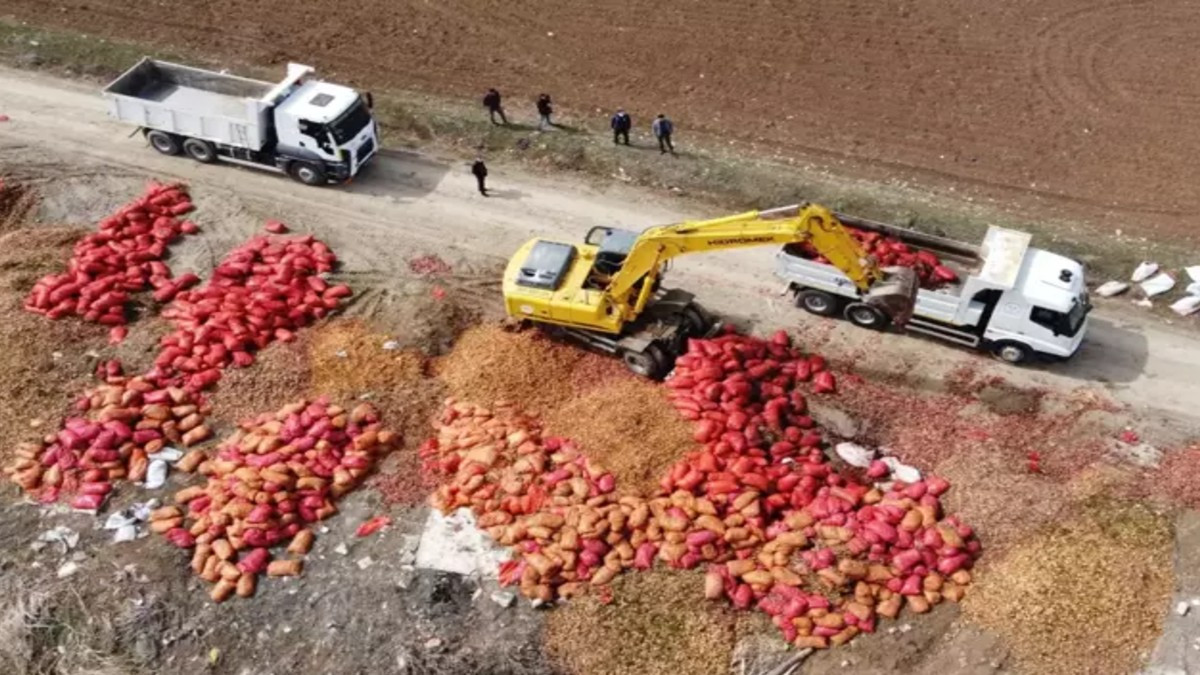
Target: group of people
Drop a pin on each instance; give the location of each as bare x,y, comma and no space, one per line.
621,124
661,127
493,102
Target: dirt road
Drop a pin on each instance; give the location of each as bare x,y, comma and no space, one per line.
407,205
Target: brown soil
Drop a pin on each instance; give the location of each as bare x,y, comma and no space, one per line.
490,363
1108,569
657,623
349,363
1067,102
628,428
38,382
16,204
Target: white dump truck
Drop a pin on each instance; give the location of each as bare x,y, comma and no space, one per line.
314,131
1016,301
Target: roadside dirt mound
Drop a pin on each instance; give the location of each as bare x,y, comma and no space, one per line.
489,364
651,625
16,204
43,364
1109,568
348,362
628,427
280,373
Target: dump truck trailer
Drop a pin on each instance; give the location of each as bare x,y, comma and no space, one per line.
1014,300
314,131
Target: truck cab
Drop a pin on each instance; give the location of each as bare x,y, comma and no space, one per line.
326,123
1046,309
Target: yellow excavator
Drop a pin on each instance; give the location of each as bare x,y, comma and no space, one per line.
607,291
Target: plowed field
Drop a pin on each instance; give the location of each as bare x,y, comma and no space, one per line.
1065,102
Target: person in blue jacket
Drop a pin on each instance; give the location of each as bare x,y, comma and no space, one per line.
621,123
663,128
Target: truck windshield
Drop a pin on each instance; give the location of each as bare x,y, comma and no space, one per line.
1063,324
351,122
1078,313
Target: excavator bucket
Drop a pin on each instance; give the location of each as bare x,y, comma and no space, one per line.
895,295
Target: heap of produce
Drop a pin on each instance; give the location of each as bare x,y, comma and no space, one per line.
777,526
118,426
891,252
125,256
268,483
263,291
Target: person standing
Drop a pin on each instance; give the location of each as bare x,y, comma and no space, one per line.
663,128
621,124
491,101
544,111
479,169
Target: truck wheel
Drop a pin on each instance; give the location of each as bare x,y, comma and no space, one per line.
163,142
865,316
1011,352
199,150
817,302
307,173
647,363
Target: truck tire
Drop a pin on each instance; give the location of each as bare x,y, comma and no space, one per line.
163,142
865,316
649,363
307,173
200,150
1011,352
818,302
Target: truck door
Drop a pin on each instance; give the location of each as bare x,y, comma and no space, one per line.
317,138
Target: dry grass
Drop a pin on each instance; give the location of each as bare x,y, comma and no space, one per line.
58,632
1086,596
628,427
657,624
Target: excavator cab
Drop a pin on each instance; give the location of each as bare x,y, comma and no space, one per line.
612,247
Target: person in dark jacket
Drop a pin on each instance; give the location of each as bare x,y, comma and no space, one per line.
662,129
491,101
544,111
480,171
621,124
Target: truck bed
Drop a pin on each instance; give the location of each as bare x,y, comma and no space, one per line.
191,102
939,304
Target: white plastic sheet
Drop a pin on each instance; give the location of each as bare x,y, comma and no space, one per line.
1186,305
1109,289
854,454
1143,271
1157,285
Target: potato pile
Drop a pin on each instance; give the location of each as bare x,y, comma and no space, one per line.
823,552
264,290
124,256
269,481
889,252
120,424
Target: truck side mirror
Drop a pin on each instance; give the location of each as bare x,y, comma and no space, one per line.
370,100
